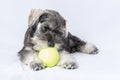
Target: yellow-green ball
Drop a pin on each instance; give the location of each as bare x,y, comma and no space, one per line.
49,56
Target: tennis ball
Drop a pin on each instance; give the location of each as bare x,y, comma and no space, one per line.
49,56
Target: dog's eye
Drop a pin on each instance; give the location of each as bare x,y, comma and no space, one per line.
58,33
45,28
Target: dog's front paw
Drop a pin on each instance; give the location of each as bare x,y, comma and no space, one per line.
69,66
36,66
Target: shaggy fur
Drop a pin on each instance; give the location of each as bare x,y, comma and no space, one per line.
48,28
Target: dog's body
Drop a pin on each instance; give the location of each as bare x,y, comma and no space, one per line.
48,28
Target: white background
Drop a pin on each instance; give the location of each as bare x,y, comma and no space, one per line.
95,21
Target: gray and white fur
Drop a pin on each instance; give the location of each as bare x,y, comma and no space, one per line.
48,28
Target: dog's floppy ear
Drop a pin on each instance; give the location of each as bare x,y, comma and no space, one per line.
34,15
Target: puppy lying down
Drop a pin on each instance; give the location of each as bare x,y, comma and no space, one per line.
48,28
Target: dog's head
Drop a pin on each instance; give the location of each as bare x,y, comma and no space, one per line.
47,20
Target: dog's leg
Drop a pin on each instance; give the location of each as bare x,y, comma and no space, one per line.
29,57
88,48
78,45
67,61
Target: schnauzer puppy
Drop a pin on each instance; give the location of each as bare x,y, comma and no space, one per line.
48,28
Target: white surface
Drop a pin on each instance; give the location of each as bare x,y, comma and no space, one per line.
96,21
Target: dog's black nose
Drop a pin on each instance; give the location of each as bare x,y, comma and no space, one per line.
51,44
